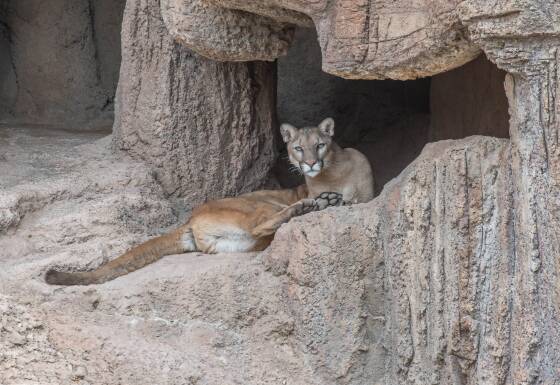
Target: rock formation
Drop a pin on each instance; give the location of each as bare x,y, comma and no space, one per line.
359,39
449,276
206,127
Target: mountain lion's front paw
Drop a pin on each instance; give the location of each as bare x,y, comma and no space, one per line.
328,199
307,205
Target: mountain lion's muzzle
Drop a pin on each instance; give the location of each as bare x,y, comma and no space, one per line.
311,168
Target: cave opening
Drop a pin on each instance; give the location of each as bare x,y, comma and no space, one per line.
390,121
59,63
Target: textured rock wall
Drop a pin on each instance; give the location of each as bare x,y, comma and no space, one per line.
60,62
107,19
416,286
522,38
207,128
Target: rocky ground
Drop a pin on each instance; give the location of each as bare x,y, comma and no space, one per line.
199,319
414,287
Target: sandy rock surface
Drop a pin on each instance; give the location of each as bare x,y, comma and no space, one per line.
190,319
450,276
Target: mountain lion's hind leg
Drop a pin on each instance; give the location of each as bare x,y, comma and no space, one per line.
301,207
188,243
215,234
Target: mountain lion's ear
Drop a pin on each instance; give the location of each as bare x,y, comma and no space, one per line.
327,127
288,132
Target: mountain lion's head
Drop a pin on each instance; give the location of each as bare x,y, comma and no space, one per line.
309,147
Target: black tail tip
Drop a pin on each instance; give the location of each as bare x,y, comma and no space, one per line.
53,277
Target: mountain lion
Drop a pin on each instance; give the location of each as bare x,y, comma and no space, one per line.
248,222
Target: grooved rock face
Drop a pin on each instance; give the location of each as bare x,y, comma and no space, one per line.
413,287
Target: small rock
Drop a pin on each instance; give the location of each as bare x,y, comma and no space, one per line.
17,339
79,372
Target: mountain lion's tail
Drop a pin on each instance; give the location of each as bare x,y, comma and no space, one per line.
136,258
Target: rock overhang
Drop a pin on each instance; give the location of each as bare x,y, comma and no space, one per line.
359,39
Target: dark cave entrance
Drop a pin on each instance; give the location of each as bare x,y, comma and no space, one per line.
59,62
390,121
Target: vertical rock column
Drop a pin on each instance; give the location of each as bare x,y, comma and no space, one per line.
522,38
533,92
205,127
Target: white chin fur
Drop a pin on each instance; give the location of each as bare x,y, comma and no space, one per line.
311,171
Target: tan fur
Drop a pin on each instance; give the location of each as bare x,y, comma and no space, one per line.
247,222
346,171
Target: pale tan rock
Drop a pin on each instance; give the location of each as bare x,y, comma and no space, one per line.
225,34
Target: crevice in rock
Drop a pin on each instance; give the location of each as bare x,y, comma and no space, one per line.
95,41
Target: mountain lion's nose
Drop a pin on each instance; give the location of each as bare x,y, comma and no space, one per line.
310,163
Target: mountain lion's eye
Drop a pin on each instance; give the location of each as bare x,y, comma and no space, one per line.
320,146
298,149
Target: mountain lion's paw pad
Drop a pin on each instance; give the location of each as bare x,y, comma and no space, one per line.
328,199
